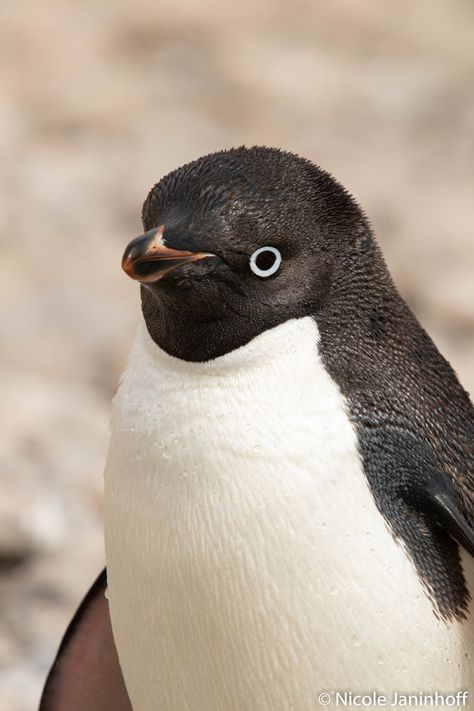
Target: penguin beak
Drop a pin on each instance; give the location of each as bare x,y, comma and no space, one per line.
147,259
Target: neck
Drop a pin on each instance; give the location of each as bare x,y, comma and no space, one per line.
198,327
273,345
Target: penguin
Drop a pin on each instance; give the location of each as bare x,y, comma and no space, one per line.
289,487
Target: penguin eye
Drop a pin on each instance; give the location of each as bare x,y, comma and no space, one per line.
265,261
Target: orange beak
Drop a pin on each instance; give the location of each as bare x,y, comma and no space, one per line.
147,259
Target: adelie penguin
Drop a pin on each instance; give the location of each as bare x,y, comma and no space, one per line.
289,489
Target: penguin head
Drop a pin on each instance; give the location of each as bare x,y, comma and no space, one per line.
238,242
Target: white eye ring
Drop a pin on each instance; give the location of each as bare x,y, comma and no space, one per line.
272,268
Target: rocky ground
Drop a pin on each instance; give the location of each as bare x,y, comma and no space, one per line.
98,101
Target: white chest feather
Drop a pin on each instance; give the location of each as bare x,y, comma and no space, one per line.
248,566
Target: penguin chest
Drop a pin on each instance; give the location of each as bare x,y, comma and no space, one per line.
248,566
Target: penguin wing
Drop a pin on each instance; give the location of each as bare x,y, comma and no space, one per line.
441,500
424,507
402,467
86,673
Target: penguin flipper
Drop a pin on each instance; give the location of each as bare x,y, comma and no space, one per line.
441,502
86,673
426,509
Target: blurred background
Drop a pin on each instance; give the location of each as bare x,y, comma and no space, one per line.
98,101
